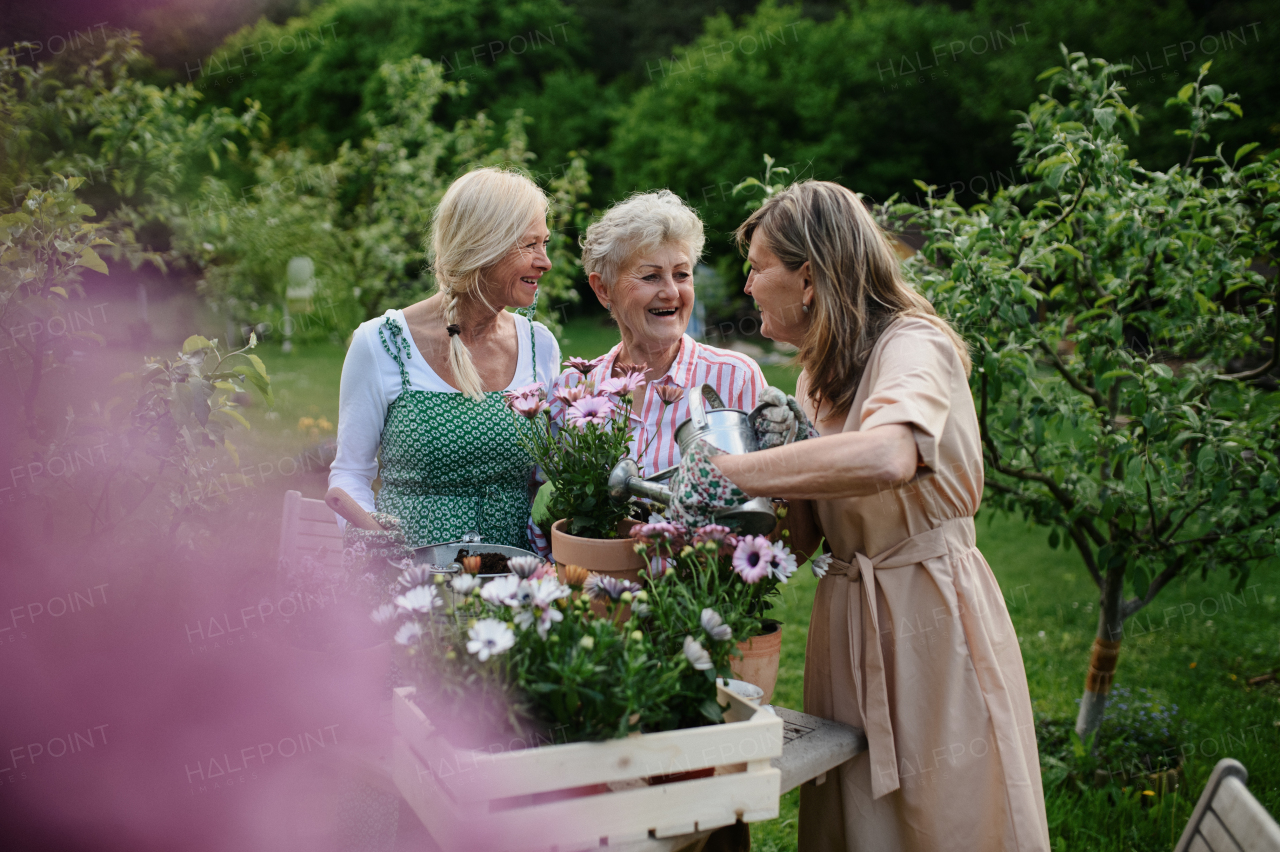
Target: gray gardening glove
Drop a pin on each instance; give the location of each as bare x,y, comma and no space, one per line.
776,413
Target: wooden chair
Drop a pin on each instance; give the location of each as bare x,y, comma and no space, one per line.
309,531
1228,818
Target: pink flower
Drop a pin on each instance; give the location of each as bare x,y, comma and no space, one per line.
667,393
530,408
591,409
753,558
582,365
663,531
716,533
623,385
534,390
570,395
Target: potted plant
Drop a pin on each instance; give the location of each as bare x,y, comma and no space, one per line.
747,572
576,442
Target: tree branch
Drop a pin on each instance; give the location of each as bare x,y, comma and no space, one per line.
1081,542
1275,353
1162,579
1080,387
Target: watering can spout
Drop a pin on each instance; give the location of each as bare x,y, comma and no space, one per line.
625,482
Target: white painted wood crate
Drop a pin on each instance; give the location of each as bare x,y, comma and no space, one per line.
475,800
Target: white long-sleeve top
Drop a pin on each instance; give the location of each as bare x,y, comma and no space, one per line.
371,382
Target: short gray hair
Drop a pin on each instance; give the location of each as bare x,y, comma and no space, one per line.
643,222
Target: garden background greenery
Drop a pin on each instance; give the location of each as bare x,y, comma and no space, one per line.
171,178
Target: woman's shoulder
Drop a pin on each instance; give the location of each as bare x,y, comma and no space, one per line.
726,357
917,339
368,330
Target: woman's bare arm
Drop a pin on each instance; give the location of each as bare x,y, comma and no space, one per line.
850,464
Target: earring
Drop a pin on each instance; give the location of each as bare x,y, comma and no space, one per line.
805,308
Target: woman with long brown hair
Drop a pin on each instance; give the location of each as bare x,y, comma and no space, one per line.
909,639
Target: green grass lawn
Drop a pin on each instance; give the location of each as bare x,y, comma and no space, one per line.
1195,646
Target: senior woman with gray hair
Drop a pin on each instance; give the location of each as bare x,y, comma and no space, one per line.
639,260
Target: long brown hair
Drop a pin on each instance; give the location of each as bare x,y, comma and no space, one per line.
859,289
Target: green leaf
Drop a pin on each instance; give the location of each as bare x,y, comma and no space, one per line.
1184,94
258,365
89,258
1234,108
234,415
711,709
193,343
1213,92
1105,118
1204,69
1243,149
1048,72
1055,175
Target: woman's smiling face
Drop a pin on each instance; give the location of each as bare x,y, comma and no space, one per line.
781,294
513,281
652,298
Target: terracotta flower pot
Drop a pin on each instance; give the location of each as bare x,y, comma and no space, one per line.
759,662
612,557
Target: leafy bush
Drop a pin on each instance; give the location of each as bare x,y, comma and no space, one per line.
1104,301
369,250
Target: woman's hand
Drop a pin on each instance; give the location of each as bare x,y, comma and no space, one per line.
699,489
775,416
361,548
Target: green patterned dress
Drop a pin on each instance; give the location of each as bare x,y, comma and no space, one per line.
451,465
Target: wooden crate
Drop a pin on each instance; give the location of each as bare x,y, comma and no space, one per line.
587,795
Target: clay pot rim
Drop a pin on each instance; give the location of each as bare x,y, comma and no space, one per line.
559,526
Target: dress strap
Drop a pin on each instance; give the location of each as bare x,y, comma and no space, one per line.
400,344
529,313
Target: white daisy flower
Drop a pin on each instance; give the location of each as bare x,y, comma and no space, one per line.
715,626
784,562
409,632
383,614
820,565
489,638
500,590
419,599
465,584
696,654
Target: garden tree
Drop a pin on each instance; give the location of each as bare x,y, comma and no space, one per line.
370,255
74,130
65,128
862,99
317,75
1104,302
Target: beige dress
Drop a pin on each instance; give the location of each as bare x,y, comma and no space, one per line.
952,762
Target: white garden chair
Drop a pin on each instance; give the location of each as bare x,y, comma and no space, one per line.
309,530
1228,818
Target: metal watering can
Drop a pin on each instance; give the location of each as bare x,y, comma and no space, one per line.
727,429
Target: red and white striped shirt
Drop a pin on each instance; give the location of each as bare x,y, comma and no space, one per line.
735,377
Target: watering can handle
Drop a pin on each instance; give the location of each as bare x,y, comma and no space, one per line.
694,397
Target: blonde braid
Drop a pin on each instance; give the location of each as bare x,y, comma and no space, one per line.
464,370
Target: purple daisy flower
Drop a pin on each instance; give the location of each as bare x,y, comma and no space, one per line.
599,587
753,558
591,409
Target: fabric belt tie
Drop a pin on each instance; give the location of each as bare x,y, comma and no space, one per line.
873,696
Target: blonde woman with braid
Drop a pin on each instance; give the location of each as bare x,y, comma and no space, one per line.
421,400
